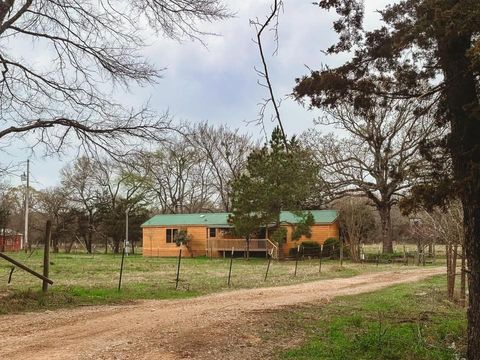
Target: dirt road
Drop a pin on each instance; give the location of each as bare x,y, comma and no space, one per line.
208,327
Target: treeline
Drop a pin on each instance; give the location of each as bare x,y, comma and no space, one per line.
367,174
192,171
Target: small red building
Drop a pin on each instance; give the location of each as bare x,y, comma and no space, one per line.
10,240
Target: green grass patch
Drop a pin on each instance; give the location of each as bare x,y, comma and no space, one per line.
85,279
411,321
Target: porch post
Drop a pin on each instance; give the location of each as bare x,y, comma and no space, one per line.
208,243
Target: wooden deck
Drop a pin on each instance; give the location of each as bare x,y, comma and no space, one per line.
256,245
236,244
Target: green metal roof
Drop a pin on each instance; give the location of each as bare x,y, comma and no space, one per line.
221,219
320,216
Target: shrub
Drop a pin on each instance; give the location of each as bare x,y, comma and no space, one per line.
331,249
383,258
307,248
182,238
311,245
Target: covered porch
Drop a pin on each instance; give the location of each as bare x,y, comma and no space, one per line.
223,247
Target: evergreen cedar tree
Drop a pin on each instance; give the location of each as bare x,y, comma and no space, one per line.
427,50
275,179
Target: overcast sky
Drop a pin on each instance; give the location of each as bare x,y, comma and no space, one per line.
218,83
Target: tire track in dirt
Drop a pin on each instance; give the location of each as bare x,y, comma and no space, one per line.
172,329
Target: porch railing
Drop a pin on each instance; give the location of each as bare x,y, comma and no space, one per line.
272,249
238,244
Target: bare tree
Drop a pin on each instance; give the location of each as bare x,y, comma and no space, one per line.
83,192
62,99
379,156
55,204
179,178
13,198
120,190
446,227
358,221
269,24
225,152
5,212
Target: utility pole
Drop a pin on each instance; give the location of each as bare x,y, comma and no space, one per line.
126,229
25,233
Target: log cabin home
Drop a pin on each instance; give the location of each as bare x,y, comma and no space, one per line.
210,234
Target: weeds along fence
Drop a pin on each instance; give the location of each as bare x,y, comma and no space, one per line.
297,260
142,275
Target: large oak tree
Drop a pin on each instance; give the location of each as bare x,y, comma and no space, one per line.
379,156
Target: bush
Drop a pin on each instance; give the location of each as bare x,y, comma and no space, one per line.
311,245
182,238
307,248
383,258
331,249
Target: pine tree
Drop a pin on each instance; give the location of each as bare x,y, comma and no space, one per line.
276,179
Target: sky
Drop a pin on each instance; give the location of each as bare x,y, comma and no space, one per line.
217,82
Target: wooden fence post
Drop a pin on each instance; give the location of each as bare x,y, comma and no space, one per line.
320,259
46,254
341,251
121,268
268,267
178,269
296,261
230,270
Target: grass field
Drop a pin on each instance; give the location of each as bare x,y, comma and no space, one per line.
81,279
440,250
412,321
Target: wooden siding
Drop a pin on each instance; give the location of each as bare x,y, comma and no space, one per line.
320,233
154,239
155,242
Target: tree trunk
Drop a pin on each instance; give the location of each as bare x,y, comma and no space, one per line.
472,244
4,240
463,276
68,249
461,102
116,246
448,253
386,222
354,246
451,270
55,242
454,269
281,256
88,242
419,249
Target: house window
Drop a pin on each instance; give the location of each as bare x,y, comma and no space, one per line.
213,232
170,236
